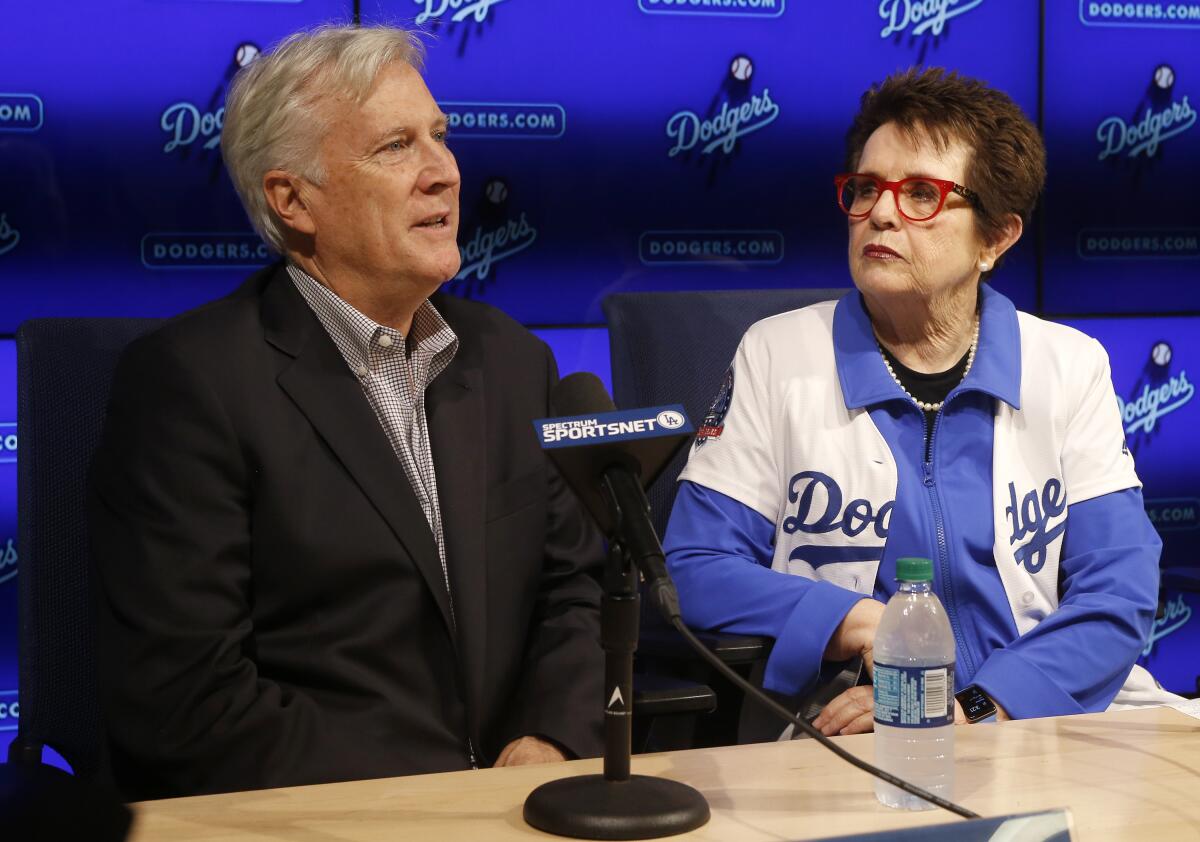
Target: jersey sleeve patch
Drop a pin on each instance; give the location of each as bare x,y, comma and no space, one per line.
714,421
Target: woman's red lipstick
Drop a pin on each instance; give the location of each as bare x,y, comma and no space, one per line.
880,252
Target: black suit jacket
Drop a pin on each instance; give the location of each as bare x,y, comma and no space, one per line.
272,607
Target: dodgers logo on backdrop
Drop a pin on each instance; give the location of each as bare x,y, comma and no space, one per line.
1157,124
714,421
8,561
9,236
460,10
21,112
187,124
725,8
721,132
921,15
1031,517
488,246
1143,412
818,500
1176,614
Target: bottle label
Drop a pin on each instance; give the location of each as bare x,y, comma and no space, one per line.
914,697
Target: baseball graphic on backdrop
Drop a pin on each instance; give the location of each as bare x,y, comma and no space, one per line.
246,53
1161,353
1164,76
496,191
741,68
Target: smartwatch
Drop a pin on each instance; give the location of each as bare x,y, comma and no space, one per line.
975,703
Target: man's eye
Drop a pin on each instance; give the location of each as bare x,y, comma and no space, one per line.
395,146
442,135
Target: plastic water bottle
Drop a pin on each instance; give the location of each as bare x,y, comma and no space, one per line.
914,690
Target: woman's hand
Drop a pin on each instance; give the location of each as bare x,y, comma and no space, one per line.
853,712
855,635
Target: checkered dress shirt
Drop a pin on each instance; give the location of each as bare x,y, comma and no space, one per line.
394,374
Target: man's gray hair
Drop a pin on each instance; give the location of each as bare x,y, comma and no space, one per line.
273,114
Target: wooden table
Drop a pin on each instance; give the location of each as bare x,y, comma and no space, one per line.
1127,775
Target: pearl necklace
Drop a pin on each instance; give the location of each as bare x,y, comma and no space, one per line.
931,407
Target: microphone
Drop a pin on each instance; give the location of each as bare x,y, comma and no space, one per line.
607,456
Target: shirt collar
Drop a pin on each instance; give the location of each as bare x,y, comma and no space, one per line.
356,334
865,380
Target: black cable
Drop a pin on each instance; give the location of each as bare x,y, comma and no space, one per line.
785,714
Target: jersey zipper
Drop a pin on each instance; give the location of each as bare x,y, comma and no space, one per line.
939,525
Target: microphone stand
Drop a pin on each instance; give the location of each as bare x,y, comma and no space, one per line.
617,805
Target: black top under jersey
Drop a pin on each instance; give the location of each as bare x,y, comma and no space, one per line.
929,388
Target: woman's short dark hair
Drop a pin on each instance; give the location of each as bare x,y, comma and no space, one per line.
1008,165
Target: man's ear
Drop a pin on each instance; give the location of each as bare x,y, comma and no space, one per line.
282,192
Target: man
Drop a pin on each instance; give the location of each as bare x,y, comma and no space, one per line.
328,545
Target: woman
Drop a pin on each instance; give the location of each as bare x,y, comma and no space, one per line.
923,415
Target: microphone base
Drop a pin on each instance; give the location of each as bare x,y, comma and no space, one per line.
592,807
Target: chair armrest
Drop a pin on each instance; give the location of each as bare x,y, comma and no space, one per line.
665,642
655,695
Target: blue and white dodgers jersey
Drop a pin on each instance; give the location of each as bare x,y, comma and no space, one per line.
798,444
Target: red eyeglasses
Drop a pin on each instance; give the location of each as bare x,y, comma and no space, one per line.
918,199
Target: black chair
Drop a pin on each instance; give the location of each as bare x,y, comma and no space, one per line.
65,369
64,373
675,347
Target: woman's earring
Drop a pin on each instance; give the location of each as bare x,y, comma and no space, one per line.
984,266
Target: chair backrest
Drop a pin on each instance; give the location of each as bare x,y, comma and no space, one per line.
674,347
64,373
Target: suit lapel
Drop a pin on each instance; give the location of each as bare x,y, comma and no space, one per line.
324,389
454,406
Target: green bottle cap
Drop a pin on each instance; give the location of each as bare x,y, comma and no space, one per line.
914,570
